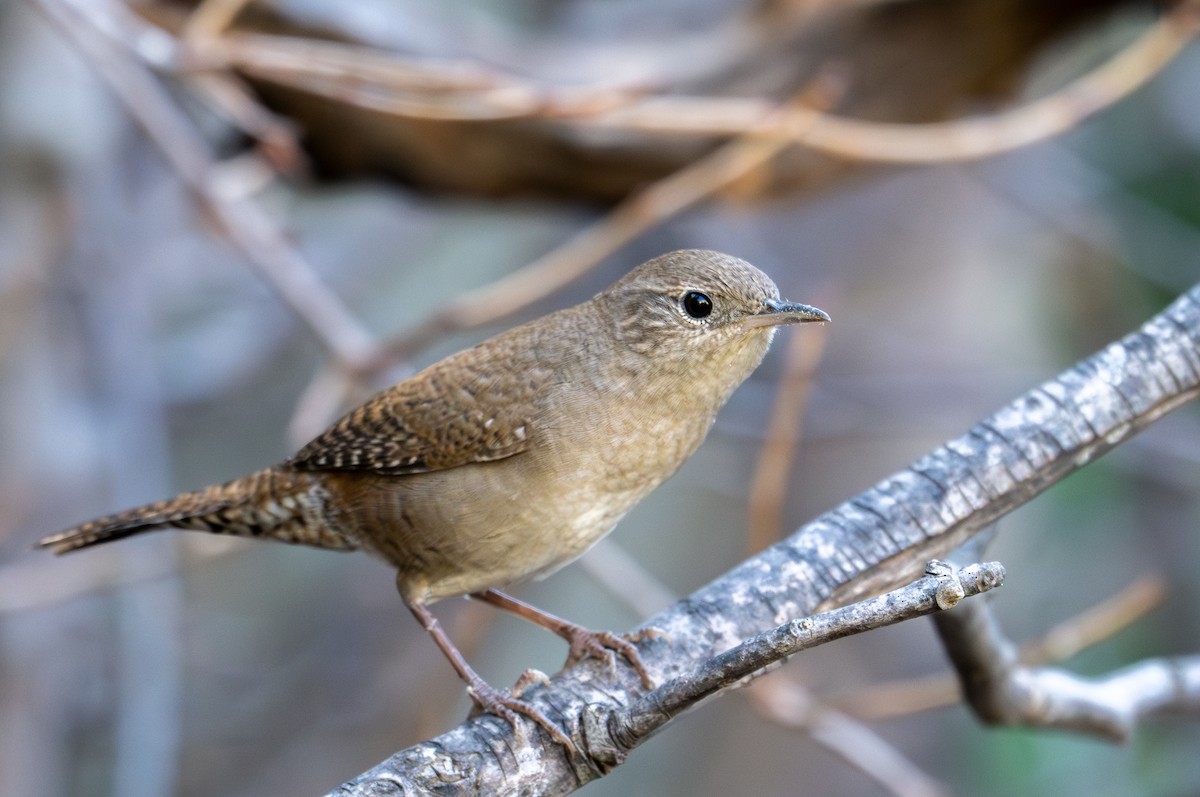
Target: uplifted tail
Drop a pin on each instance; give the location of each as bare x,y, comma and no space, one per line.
276,503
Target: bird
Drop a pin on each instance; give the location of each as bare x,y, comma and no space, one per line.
508,460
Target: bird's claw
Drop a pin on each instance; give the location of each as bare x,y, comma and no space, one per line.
604,645
501,704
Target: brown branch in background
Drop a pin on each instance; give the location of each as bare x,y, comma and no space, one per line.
769,485
418,88
937,142
1038,120
227,92
223,91
432,88
276,137
211,18
246,224
439,90
1096,624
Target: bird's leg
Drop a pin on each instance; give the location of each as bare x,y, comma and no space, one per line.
583,641
487,697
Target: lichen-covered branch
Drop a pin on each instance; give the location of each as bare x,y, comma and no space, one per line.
941,588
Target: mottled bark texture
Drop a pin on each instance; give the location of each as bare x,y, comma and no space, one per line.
871,543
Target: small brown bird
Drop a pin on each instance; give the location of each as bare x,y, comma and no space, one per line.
508,460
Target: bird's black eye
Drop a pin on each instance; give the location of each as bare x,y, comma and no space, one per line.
697,304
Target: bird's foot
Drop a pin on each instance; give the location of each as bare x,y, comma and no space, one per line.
507,707
605,645
583,642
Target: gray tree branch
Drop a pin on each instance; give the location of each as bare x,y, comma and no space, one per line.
941,588
869,544
1002,691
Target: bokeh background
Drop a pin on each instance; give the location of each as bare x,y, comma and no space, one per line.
142,354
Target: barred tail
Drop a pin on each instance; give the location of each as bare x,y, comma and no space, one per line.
276,503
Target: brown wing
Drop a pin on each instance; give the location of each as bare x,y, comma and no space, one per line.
457,411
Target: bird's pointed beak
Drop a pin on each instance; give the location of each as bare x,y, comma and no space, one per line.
777,313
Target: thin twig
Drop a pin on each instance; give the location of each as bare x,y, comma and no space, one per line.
227,92
941,588
423,88
1096,624
245,222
